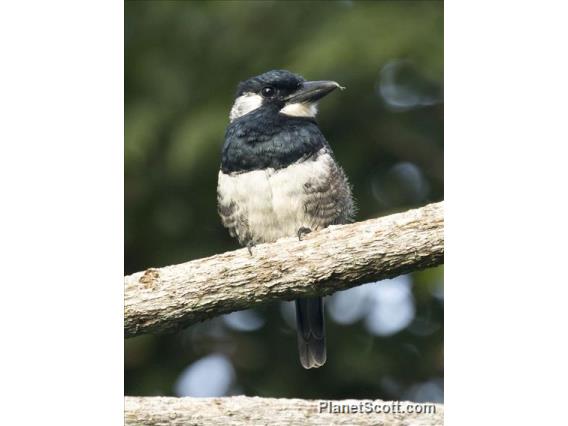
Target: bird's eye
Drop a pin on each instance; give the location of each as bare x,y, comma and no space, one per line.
268,92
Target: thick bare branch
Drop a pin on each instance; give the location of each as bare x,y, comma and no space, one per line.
326,261
242,410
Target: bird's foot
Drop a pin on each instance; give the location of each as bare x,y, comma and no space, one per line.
250,245
303,231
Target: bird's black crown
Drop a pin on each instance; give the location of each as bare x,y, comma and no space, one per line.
281,80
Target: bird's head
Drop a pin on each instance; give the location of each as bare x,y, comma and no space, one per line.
282,92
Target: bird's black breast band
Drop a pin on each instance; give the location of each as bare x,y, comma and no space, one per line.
260,140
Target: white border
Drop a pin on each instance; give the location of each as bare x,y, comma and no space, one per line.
61,168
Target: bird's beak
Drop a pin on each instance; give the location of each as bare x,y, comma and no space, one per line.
312,91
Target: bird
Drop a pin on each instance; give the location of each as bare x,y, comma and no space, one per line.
279,178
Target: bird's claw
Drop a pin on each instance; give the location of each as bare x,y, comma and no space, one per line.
249,248
303,231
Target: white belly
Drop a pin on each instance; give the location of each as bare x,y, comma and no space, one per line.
272,202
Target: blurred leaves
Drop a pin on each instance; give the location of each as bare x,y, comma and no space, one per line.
183,61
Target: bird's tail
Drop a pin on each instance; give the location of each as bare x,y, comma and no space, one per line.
311,332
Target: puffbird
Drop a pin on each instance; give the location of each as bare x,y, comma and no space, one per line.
279,178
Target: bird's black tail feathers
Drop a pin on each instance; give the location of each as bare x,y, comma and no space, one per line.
311,332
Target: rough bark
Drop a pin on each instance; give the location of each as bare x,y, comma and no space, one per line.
336,258
242,410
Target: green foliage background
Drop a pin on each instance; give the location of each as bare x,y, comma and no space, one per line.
183,61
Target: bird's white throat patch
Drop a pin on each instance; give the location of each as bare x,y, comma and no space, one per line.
244,104
248,102
300,110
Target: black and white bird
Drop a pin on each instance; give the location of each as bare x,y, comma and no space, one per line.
279,178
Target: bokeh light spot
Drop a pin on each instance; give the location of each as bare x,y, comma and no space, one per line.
349,306
247,320
393,306
402,88
430,391
207,377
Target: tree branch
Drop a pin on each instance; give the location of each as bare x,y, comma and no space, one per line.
335,258
242,410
